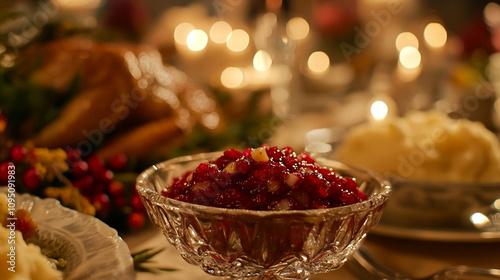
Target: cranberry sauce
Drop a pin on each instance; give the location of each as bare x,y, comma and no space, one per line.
264,178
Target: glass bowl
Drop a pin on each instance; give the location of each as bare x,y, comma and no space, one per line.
261,244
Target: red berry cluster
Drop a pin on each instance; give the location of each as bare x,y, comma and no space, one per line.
266,178
29,175
115,201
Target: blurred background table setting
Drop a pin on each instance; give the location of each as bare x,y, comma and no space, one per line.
93,92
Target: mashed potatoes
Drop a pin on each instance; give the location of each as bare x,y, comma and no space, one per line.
29,262
425,146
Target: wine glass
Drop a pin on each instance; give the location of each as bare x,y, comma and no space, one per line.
251,244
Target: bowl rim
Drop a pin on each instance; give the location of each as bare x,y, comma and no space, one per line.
373,200
399,181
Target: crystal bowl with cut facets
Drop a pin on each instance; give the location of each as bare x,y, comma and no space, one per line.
250,244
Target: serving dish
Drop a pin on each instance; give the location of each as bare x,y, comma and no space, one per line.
424,209
282,244
442,211
91,249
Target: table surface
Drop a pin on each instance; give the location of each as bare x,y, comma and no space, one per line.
415,258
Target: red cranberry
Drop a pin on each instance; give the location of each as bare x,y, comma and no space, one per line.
136,203
115,188
136,220
265,178
18,153
105,176
96,165
31,178
101,202
84,183
119,201
79,169
118,162
73,156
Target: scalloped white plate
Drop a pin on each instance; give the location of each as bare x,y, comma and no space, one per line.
92,249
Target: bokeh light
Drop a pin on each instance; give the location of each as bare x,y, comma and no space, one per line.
410,57
406,39
232,77
496,204
211,120
480,220
181,33
297,28
238,40
262,61
492,14
7,60
219,32
318,62
435,35
379,110
77,4
197,40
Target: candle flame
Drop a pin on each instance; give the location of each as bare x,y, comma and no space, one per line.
379,110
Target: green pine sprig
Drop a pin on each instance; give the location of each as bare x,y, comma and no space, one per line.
144,257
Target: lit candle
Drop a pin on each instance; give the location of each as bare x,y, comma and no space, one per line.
435,37
381,108
209,47
320,75
249,78
409,64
